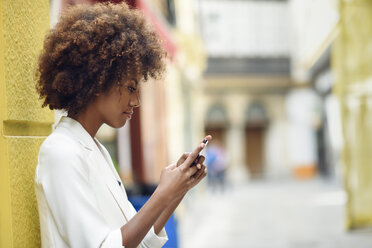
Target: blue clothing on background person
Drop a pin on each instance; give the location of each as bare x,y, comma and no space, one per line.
216,160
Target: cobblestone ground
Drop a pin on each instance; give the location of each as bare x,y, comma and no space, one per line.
288,214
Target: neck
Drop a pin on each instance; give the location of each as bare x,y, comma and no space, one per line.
89,120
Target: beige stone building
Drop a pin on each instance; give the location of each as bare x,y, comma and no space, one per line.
246,83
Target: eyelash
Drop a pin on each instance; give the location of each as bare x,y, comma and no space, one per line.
131,89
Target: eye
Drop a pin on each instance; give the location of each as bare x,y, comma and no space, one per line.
131,89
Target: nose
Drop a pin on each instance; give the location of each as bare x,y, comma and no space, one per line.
135,100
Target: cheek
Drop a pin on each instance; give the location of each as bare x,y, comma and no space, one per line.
115,118
117,104
110,110
123,102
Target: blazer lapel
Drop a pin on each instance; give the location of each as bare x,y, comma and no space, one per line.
111,181
100,160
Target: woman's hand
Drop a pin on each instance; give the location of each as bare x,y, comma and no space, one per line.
200,173
177,179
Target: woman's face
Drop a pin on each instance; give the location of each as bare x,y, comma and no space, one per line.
116,106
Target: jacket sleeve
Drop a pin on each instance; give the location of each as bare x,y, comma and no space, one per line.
64,179
152,240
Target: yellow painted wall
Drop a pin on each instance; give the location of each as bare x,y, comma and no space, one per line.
23,124
352,67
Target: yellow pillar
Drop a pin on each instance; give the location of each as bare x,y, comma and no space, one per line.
352,68
23,124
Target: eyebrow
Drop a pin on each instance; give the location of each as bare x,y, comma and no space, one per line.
135,81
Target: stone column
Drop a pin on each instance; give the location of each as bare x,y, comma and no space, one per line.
352,69
235,138
23,124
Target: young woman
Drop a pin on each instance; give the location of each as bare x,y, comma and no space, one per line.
92,66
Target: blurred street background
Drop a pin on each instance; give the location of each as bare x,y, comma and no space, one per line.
283,86
272,214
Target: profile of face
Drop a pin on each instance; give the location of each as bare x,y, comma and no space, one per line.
116,106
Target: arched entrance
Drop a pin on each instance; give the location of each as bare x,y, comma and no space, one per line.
256,121
216,123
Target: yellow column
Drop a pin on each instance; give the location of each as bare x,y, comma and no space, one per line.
352,67
23,124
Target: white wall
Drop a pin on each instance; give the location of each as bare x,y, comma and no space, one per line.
303,110
311,23
245,28
277,163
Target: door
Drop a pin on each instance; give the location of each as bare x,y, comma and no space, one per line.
255,150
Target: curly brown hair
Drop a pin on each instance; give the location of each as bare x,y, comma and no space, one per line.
92,48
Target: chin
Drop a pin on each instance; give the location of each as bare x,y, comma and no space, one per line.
122,124
117,124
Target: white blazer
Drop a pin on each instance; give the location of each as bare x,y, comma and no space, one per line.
79,198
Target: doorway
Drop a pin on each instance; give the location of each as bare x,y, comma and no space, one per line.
255,128
216,122
254,137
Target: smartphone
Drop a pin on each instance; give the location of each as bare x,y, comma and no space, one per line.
205,141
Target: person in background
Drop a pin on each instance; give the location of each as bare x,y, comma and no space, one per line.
92,65
217,162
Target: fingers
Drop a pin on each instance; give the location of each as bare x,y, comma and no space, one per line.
182,158
201,159
193,170
199,172
171,166
193,155
198,176
202,174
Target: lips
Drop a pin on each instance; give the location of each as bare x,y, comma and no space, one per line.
129,114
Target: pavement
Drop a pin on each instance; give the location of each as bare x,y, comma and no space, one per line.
270,214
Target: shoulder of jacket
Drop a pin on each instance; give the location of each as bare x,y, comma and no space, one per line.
61,154
60,143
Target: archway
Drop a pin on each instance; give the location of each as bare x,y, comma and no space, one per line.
216,122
